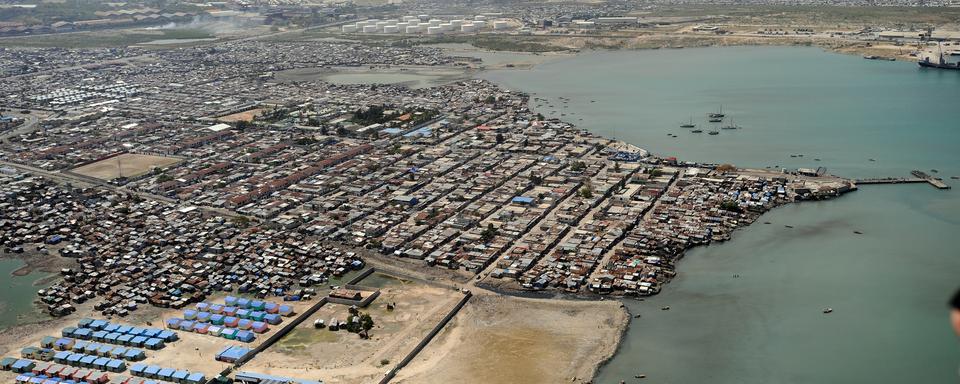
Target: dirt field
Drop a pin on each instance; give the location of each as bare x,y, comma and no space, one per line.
499,339
130,164
343,357
241,116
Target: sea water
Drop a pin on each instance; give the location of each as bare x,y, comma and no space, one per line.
751,310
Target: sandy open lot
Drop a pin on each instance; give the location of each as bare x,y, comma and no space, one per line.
500,339
130,165
343,357
241,116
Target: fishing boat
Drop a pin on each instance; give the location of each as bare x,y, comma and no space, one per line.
732,125
697,131
688,125
941,64
715,119
713,133
718,114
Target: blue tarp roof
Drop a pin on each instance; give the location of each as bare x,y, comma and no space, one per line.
522,200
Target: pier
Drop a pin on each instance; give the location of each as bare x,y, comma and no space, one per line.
939,184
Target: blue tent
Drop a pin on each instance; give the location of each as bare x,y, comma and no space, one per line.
82,333
180,375
151,371
97,336
98,324
138,341
118,352
111,338
243,313
61,356
74,359
87,360
242,303
136,331
100,363
165,374
116,365
230,300
246,336
124,339
273,318
134,355
111,328
196,378
104,350
186,325
203,306
168,336
22,366
150,332
124,329
80,345
137,369
85,322
68,331
153,343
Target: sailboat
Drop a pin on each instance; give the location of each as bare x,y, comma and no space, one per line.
688,125
718,114
732,125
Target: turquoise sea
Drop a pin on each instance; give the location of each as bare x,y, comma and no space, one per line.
888,286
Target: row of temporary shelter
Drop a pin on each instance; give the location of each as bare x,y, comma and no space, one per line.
245,335
92,378
156,341
231,354
90,348
232,321
49,373
179,376
254,305
81,360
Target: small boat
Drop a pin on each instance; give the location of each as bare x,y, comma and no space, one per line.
954,177
688,125
871,159
666,308
713,133
828,310
858,232
732,125
788,226
817,159
715,119
718,114
697,131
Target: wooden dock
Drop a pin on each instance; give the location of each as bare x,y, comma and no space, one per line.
939,184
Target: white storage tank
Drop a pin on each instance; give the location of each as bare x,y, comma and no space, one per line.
403,26
392,22
468,28
391,29
434,31
435,22
381,24
500,25
349,28
446,27
479,18
456,23
480,24
408,18
369,29
423,17
413,29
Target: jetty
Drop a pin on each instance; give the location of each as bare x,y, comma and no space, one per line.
919,177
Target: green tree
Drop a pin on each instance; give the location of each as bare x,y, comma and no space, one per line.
366,323
489,233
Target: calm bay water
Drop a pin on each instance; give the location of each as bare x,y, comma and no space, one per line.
17,293
888,287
